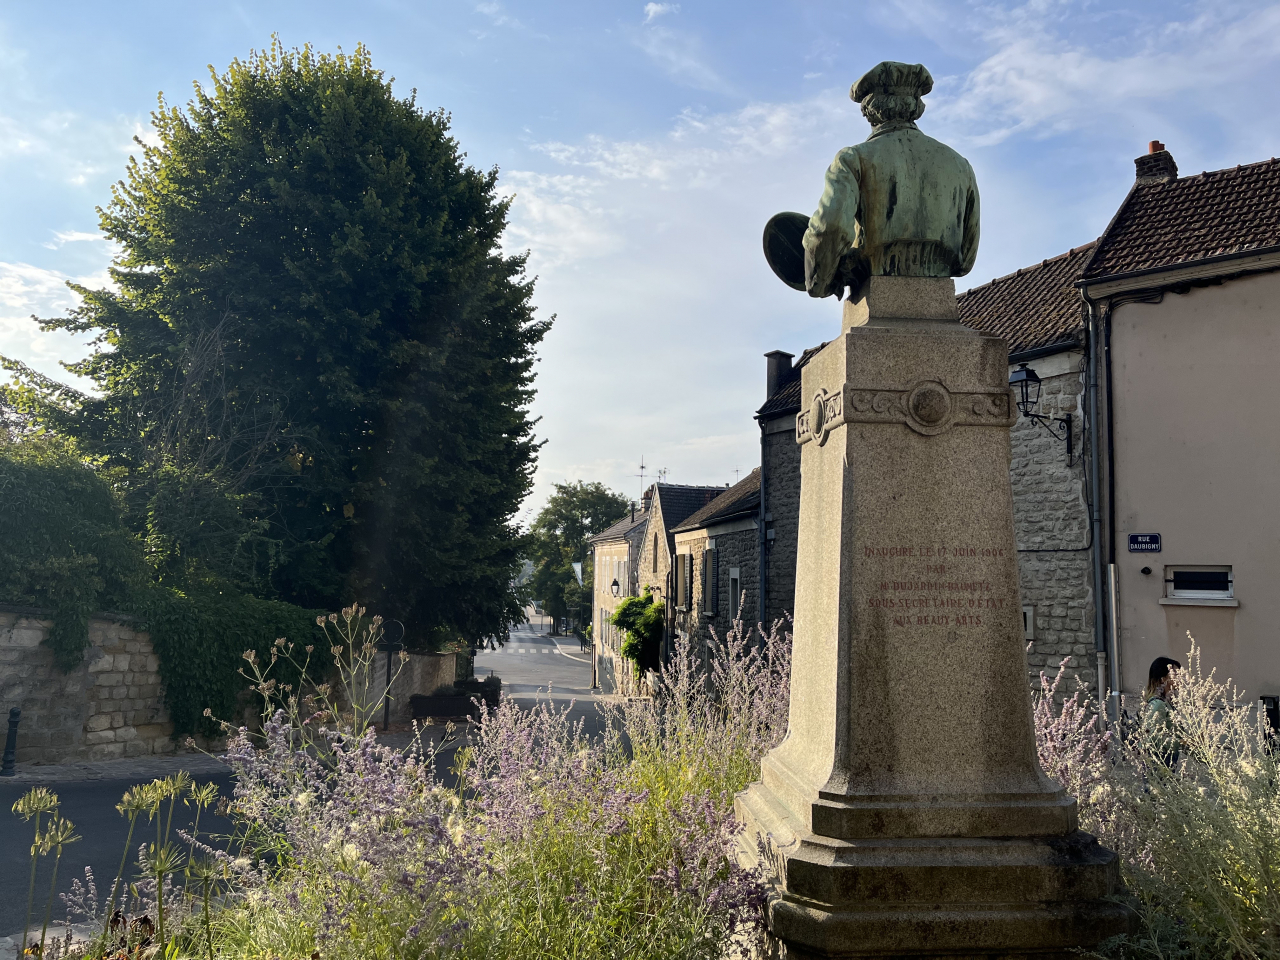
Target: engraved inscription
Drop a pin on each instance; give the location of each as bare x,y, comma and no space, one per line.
938,585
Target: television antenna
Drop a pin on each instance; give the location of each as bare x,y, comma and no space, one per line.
641,475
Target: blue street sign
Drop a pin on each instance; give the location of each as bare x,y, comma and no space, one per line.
1144,543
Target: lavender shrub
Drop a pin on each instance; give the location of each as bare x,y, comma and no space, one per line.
1198,836
549,844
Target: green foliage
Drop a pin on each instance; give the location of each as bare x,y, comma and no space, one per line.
316,362
63,543
643,620
201,639
558,539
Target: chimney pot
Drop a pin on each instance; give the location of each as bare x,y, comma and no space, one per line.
1155,146
779,368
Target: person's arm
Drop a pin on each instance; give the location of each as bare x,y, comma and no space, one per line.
969,242
831,228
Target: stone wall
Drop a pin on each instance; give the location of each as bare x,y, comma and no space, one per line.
111,705
422,673
737,545
781,467
1051,523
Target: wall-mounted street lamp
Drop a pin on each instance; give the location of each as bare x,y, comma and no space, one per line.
615,587
1027,384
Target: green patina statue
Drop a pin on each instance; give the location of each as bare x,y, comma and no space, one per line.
898,204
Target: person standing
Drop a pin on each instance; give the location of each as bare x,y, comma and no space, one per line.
1157,717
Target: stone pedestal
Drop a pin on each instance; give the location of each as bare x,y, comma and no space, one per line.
906,814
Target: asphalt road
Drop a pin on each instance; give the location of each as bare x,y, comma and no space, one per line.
90,805
534,668
537,668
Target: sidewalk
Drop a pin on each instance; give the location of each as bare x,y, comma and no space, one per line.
140,769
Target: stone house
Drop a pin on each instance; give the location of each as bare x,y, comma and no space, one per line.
615,554
650,557
779,483
1037,310
720,549
1142,487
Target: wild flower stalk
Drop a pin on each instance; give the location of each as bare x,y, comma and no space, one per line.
163,861
35,803
57,833
136,800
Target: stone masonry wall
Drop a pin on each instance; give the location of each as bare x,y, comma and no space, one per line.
782,503
1051,523
111,705
737,549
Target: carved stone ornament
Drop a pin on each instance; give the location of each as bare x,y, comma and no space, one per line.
825,413
929,408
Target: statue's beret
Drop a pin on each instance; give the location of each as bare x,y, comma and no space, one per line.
897,79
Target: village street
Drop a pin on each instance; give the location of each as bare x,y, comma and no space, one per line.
535,668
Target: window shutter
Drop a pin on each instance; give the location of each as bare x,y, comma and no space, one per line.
688,581
714,566
704,574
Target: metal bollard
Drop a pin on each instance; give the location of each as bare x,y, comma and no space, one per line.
11,744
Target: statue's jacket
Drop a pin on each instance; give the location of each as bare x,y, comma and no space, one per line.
900,201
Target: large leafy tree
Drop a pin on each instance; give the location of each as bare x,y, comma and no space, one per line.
314,371
558,538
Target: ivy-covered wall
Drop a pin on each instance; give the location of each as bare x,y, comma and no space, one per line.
65,554
111,705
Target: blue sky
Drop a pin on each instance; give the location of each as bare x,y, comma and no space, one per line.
646,144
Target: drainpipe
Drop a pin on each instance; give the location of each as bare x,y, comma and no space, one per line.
1111,510
763,578
1095,511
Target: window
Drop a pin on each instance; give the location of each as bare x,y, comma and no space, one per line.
1199,583
710,582
680,574
1028,622
735,590
655,553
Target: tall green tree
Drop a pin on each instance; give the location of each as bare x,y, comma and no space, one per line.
558,539
314,371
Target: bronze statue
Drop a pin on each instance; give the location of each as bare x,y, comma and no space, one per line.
898,204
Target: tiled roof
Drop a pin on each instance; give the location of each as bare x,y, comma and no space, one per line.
1179,220
620,529
786,399
742,497
1034,307
679,502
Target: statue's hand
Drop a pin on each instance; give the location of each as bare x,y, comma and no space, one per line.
852,273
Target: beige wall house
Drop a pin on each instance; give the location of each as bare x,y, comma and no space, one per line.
1158,340
1183,296
615,556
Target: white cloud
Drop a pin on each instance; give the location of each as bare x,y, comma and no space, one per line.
648,248
654,10
61,237
27,290
1039,82
678,54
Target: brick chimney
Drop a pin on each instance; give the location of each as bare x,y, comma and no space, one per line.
1157,166
778,371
